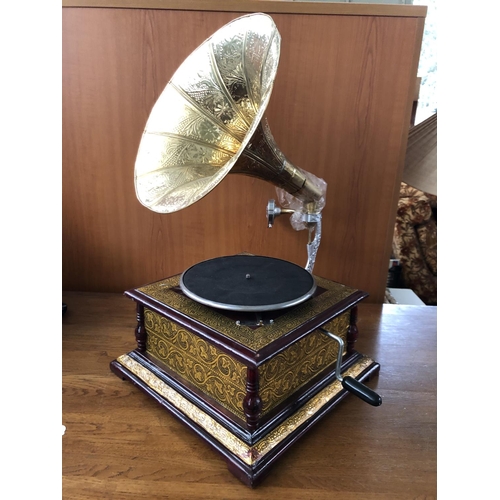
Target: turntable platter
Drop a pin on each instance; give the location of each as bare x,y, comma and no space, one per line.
248,283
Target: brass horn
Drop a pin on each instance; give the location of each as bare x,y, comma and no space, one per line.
209,121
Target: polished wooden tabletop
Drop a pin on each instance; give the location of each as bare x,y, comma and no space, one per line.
120,444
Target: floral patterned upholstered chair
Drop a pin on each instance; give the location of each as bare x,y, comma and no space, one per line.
415,242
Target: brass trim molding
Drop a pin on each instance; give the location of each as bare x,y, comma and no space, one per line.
248,454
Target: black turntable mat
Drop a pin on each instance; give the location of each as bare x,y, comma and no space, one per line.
248,283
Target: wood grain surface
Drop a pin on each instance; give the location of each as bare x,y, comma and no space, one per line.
119,444
269,6
340,109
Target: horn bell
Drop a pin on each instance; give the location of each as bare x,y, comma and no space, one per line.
207,113
208,121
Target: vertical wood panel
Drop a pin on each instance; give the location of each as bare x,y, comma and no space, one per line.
340,109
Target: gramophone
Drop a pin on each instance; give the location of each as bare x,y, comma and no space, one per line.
248,351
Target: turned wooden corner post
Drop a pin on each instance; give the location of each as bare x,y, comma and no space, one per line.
352,333
140,329
252,404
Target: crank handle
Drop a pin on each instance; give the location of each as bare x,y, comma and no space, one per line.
349,383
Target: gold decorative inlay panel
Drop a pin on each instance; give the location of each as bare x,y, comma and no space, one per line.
206,367
163,292
286,372
248,454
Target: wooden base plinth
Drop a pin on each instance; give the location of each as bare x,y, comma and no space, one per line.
249,457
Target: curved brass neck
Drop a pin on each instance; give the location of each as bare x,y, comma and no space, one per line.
263,159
